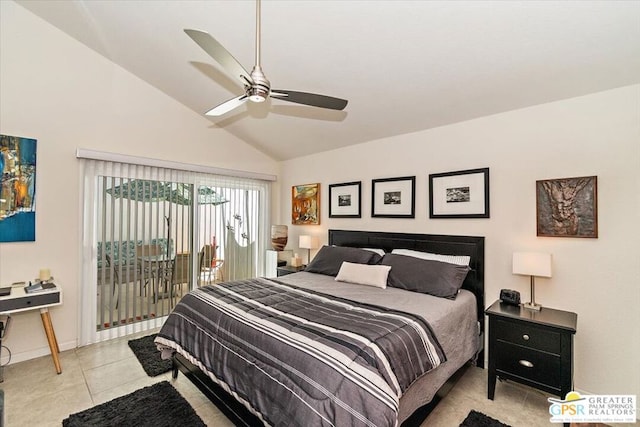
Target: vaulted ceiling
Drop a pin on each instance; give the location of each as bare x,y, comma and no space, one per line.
404,66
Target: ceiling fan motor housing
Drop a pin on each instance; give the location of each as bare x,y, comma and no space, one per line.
261,87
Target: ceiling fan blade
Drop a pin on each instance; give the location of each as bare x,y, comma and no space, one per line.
220,54
312,99
227,106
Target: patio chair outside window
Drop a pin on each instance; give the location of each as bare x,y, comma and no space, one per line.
146,268
210,270
180,275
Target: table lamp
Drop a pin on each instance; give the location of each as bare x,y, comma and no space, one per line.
532,264
308,243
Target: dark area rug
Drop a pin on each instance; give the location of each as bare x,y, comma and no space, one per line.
478,419
149,356
159,405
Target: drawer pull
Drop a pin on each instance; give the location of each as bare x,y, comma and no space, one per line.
525,337
525,363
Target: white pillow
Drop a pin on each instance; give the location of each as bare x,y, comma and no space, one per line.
364,274
451,259
375,250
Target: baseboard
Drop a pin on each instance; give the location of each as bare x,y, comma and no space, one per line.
33,354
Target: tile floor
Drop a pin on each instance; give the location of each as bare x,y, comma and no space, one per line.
36,396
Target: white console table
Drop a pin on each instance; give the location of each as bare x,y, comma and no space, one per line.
20,301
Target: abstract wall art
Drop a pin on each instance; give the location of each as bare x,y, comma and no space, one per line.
17,189
305,204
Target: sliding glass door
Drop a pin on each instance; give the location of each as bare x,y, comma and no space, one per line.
151,235
144,230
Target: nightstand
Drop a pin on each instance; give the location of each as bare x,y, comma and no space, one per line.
534,348
287,269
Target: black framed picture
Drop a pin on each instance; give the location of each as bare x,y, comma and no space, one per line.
393,197
345,200
460,194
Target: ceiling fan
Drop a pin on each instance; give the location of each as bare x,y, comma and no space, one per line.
256,86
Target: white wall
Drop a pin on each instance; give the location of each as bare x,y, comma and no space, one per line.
598,278
66,96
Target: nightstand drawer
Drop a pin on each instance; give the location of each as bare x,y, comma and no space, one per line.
526,334
29,300
532,365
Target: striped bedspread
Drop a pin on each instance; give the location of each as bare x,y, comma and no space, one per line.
296,357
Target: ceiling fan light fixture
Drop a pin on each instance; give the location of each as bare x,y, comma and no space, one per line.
258,93
259,90
257,98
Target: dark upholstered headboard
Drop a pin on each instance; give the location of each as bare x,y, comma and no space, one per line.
434,243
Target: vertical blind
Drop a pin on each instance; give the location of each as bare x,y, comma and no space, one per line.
150,234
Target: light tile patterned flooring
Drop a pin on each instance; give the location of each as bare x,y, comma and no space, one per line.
36,396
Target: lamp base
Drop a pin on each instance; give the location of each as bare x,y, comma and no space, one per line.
532,306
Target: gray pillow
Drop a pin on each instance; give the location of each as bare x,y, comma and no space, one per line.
377,254
435,278
329,259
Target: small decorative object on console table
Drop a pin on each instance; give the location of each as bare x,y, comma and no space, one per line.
532,264
308,243
279,237
44,275
534,348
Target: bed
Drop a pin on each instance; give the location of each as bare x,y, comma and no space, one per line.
395,391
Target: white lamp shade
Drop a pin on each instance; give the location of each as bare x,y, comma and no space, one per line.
532,264
308,242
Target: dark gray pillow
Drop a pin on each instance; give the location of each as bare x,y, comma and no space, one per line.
329,259
375,259
436,278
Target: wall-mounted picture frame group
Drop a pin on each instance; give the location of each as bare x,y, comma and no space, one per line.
305,204
393,197
459,194
345,200
567,207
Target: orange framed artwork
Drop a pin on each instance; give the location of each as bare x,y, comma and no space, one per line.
305,204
